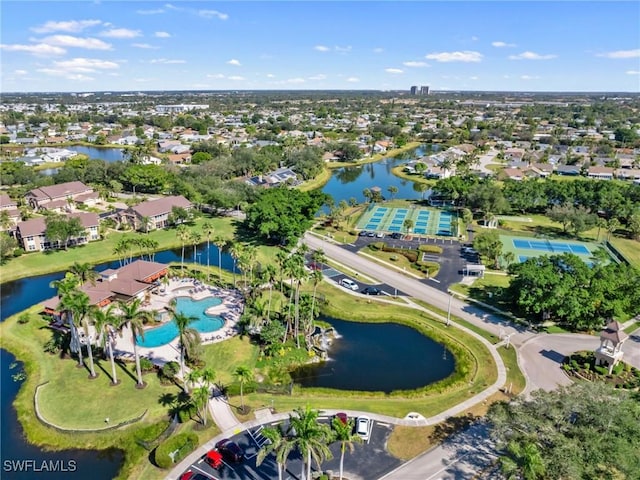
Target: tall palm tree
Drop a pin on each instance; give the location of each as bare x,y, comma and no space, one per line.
183,235
85,272
193,377
392,189
281,258
343,433
244,375
194,238
317,277
134,317
208,377
220,243
207,229
311,438
76,304
300,276
270,276
279,443
106,321
84,319
201,400
187,336
235,250
523,461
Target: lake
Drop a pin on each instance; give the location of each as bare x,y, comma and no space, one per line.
377,357
349,182
107,154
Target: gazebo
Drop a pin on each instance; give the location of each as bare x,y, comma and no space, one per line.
611,340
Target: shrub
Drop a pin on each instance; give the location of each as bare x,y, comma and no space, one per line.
430,249
24,318
146,365
617,370
586,366
18,252
182,444
168,372
377,245
601,370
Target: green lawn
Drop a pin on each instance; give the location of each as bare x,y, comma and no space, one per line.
40,263
225,357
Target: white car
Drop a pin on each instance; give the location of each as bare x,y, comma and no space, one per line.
363,427
348,283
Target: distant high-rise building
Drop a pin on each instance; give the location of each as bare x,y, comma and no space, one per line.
414,90
424,90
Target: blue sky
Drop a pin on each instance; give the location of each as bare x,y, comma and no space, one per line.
107,45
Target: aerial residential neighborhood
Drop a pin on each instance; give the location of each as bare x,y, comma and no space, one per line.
320,240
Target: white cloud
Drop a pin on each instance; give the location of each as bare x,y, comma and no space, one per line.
215,75
270,75
529,77
296,80
40,49
621,54
346,49
474,78
144,45
20,72
502,44
162,34
321,48
86,64
531,56
212,14
474,38
76,42
320,76
415,64
234,62
80,77
143,80
353,79
72,26
157,11
394,71
378,50
121,33
166,61
464,56
632,72
236,77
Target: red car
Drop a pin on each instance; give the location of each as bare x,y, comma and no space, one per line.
342,417
213,458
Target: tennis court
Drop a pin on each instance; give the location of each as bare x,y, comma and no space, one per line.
524,248
426,221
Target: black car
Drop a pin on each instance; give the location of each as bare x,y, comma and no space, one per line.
396,235
371,291
371,234
363,233
230,451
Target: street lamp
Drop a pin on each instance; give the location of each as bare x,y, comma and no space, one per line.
449,309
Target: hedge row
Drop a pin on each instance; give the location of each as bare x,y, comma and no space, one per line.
430,249
184,443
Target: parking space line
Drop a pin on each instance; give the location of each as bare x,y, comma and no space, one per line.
208,475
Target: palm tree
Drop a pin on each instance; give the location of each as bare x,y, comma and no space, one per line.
343,433
509,258
208,376
279,443
367,194
133,316
187,336
105,321
392,189
145,223
244,375
76,304
201,401
194,239
408,224
220,243
235,250
183,235
84,318
269,273
207,229
193,377
612,225
523,461
311,438
85,272
281,258
317,277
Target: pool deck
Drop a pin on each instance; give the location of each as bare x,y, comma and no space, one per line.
229,310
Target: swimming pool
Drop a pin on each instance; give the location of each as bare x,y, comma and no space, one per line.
164,334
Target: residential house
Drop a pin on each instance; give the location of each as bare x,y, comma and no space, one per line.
600,173
437,172
514,174
153,214
179,158
31,234
281,176
11,207
568,170
61,196
542,169
628,174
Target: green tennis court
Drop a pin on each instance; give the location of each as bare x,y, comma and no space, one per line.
426,221
527,247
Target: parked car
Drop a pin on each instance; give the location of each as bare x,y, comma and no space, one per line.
371,234
189,475
230,451
213,458
363,427
396,235
343,417
348,283
363,233
371,291
380,234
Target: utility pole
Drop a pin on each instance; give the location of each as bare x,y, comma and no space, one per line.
449,310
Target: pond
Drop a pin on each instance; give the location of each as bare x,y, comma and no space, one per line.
108,154
378,357
349,182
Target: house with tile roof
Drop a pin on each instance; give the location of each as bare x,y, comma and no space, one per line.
153,214
57,197
11,207
31,234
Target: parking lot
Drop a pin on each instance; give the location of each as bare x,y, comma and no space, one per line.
369,460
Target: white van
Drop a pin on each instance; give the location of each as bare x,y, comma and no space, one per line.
348,283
